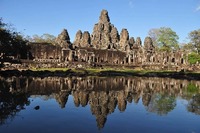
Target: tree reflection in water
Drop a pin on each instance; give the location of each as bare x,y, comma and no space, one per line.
161,104
10,103
194,104
102,94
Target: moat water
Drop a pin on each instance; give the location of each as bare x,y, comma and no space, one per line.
99,104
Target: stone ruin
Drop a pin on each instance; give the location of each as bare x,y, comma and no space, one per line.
105,47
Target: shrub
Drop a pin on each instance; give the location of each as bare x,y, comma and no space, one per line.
193,58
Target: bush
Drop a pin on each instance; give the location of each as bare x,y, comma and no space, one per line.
193,58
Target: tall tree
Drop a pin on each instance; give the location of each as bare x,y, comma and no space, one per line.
154,33
164,38
195,39
11,43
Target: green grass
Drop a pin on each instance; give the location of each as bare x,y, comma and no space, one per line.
126,71
94,71
50,69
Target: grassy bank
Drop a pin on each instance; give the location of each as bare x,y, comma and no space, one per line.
64,72
92,71
117,72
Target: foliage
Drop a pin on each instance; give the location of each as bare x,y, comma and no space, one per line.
45,38
195,39
168,38
193,58
164,38
11,43
154,33
188,47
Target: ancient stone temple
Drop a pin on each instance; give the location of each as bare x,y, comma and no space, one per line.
105,47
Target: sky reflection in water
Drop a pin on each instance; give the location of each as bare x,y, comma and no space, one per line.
92,104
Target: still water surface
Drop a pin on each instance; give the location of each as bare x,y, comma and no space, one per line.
105,105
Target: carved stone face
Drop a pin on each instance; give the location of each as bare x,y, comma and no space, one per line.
138,42
148,43
104,17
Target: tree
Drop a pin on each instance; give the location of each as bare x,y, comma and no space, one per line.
154,33
188,47
164,38
11,43
36,38
195,39
49,38
5,38
45,38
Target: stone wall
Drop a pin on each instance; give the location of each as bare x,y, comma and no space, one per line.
45,51
106,46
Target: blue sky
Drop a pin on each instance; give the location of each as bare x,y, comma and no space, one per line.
138,16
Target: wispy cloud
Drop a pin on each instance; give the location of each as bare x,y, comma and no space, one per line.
130,3
198,8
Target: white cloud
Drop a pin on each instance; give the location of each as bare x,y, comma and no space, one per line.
130,4
198,8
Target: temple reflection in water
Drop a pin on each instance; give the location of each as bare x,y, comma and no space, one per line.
102,94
